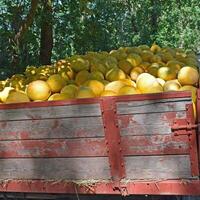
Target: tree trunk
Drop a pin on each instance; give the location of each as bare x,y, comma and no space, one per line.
15,42
46,40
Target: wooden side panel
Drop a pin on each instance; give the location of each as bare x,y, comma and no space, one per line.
85,147
152,106
79,110
55,169
52,128
158,167
154,145
148,123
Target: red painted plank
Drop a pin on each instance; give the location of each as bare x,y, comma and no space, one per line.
113,141
170,187
154,145
53,148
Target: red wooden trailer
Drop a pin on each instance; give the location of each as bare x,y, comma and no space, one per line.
140,144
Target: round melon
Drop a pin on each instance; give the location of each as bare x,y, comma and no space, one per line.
161,81
82,77
172,85
56,82
188,76
96,75
107,93
70,89
146,55
134,59
128,82
59,97
125,66
98,67
176,65
38,90
155,48
115,86
167,73
128,90
85,92
17,97
192,89
5,92
134,74
153,69
96,86
147,83
115,74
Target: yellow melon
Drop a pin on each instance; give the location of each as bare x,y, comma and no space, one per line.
115,74
96,86
153,69
107,93
82,77
161,81
56,82
145,65
96,75
115,86
70,89
146,55
128,82
98,67
171,85
166,56
156,59
17,97
155,48
167,73
144,47
85,92
147,83
176,65
192,89
134,59
79,64
134,74
188,76
128,90
125,66
59,97
38,90
5,92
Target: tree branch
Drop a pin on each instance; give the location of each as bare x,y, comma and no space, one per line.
27,22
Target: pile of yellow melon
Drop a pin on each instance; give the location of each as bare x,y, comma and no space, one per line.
126,71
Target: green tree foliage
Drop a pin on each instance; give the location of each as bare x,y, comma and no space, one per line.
93,25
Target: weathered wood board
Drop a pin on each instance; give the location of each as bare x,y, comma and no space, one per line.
55,168
82,127
158,167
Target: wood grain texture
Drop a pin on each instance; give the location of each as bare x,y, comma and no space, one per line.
79,110
53,148
148,123
154,145
55,168
52,128
152,106
158,167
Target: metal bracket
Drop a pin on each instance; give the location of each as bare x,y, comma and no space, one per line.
183,127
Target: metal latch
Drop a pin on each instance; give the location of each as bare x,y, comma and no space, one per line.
183,128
